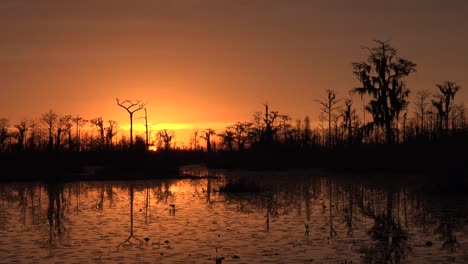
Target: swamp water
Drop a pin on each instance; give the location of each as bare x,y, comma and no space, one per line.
297,217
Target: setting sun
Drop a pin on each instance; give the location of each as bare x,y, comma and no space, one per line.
213,62
233,131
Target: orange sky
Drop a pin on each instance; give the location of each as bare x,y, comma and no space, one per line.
212,62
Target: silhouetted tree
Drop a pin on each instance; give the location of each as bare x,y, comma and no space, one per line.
131,107
21,134
165,138
257,128
347,114
4,134
99,123
33,127
123,143
382,78
328,106
64,126
458,119
80,122
227,139
195,139
50,120
405,119
207,137
140,144
242,131
70,142
297,132
444,104
111,131
285,127
307,131
421,109
146,129
270,129
439,114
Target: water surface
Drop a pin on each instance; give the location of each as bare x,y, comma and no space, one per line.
297,217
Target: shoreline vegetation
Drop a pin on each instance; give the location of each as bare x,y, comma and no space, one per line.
431,140
443,159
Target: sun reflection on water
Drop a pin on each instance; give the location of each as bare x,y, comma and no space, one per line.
293,219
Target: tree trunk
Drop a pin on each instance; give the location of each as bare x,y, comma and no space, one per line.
131,130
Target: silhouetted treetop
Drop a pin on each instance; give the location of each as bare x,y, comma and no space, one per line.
382,79
131,106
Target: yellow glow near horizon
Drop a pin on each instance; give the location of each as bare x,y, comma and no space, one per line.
175,126
211,61
183,132
168,126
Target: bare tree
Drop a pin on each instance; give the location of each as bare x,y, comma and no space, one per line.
33,127
146,129
165,138
195,139
421,108
257,133
460,122
438,114
50,120
131,107
328,106
80,122
285,127
63,127
297,132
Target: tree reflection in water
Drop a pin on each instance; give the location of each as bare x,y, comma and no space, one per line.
351,206
147,204
161,191
390,240
443,217
56,213
380,224
132,239
3,209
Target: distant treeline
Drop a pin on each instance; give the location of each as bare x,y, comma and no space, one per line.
384,120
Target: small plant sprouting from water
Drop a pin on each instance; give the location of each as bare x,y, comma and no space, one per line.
267,222
172,209
219,260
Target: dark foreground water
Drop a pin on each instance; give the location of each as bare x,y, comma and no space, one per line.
298,217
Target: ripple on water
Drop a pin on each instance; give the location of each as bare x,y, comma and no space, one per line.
229,226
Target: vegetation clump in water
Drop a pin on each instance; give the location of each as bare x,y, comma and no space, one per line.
239,185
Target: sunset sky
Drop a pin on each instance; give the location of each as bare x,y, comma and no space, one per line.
208,63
